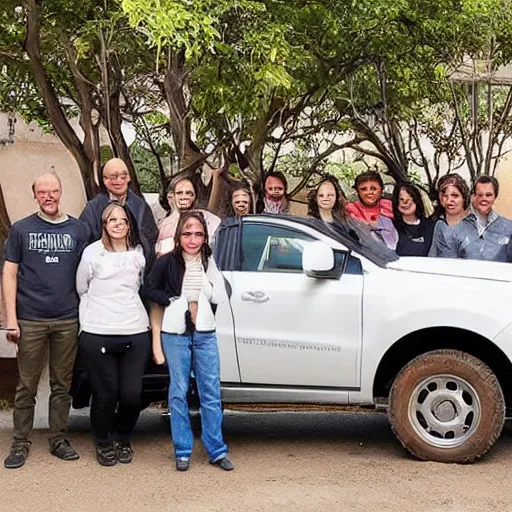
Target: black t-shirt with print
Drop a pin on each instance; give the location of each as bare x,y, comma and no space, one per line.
48,255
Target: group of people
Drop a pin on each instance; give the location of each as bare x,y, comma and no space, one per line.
464,224
97,280
125,288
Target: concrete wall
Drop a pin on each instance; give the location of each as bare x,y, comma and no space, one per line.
504,175
32,153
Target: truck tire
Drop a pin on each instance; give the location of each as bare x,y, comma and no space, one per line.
447,406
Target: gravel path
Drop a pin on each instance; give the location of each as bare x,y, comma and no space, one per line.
284,462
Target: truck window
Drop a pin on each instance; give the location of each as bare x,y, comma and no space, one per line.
272,249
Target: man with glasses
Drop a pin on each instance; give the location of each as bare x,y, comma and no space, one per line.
42,253
114,185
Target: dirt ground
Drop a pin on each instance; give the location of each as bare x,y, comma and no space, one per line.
284,462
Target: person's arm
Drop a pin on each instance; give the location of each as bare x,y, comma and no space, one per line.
216,192
149,224
509,250
432,253
83,274
446,243
216,291
153,288
9,288
156,316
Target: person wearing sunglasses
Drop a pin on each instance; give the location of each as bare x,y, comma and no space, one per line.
183,287
115,337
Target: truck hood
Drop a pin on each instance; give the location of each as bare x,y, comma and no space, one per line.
475,269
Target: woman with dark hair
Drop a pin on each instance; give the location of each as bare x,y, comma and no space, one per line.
413,227
115,338
453,203
182,286
326,201
372,209
182,197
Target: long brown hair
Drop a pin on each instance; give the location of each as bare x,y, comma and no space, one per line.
338,210
131,237
206,251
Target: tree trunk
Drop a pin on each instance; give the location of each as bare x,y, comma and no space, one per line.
119,146
5,221
188,153
57,117
90,126
264,125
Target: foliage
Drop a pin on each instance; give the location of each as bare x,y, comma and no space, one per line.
147,168
286,85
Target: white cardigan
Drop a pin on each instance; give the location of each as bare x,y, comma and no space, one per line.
212,292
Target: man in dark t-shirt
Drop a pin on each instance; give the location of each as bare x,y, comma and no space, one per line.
42,253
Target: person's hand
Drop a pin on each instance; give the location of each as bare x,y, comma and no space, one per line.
217,173
158,356
13,332
207,287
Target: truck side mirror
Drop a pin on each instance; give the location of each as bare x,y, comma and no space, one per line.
317,257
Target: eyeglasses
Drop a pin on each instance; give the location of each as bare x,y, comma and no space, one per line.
118,176
188,193
190,234
113,221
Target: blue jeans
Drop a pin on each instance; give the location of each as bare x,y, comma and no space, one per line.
197,351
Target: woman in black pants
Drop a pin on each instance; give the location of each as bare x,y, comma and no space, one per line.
114,339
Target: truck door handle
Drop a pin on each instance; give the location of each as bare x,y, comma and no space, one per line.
259,297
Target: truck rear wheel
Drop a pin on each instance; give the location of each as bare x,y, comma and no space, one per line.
447,406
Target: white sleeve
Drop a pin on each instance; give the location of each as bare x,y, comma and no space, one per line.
84,273
219,294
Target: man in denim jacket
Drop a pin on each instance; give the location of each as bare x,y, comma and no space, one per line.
482,234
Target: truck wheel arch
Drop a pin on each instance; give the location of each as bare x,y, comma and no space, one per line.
419,342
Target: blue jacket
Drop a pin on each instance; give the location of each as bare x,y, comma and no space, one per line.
142,213
465,241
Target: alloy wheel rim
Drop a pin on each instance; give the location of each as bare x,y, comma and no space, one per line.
444,410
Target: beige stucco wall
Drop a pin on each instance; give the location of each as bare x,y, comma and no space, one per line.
32,153
504,175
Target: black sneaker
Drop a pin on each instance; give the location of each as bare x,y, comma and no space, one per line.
124,452
182,464
106,455
64,450
224,464
17,457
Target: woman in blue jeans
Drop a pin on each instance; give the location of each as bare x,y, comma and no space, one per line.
182,287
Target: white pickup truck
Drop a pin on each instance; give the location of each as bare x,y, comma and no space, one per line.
324,315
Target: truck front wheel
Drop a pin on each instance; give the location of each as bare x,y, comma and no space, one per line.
447,406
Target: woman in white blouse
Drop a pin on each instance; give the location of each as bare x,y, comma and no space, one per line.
115,337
